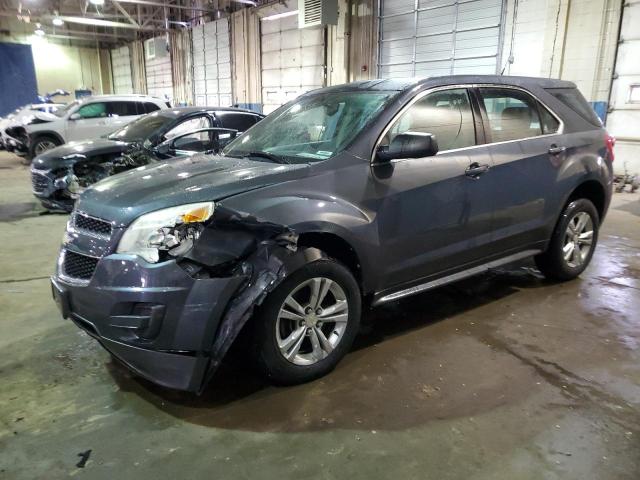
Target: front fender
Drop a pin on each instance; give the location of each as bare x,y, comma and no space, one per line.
315,213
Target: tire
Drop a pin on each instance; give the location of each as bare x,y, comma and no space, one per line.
561,261
313,357
41,144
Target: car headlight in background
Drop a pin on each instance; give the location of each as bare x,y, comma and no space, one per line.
173,229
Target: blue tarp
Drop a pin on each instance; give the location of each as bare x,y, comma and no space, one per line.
18,85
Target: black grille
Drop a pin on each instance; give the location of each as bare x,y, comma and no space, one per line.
39,182
79,266
90,224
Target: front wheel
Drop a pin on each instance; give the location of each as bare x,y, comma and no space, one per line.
42,144
308,323
573,242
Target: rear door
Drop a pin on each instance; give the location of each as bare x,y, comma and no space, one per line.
527,151
120,113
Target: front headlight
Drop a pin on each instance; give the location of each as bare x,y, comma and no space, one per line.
167,229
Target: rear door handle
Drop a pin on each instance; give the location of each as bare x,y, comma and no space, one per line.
555,150
475,170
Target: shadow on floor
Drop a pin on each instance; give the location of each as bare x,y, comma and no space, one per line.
385,384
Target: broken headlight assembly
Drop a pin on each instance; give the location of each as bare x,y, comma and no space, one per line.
169,231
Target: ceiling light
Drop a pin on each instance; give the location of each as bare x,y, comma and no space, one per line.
280,15
58,22
39,31
97,2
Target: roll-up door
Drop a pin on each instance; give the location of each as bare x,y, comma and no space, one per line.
121,68
293,60
439,37
158,69
212,64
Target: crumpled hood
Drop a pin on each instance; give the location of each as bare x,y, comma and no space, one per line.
55,157
124,197
45,116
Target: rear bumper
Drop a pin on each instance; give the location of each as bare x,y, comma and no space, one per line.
155,318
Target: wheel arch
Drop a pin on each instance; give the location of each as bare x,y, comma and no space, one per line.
591,190
46,133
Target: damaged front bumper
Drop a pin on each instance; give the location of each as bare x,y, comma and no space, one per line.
155,318
51,190
172,322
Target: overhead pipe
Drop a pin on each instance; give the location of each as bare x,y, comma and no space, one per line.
182,7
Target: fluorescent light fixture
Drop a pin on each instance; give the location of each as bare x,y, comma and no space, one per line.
39,31
276,16
97,2
58,22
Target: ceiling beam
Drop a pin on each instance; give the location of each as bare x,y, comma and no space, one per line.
125,13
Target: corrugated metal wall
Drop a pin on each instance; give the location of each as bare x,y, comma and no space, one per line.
439,37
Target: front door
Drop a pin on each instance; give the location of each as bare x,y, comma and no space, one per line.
88,123
435,213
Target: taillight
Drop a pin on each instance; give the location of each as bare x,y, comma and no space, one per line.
610,141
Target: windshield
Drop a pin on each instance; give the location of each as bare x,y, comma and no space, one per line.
62,111
311,128
141,129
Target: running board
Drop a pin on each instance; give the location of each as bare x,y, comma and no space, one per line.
454,277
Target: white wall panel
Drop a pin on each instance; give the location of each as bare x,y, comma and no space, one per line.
121,68
439,37
292,61
212,64
158,72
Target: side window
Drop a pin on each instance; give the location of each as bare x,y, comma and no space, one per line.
121,109
445,114
550,124
512,114
189,126
150,107
237,121
93,110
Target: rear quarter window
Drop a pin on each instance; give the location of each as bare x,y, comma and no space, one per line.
573,99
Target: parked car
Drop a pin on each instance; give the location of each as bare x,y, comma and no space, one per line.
83,119
360,193
59,175
19,118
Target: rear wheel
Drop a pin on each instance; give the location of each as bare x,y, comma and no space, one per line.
308,323
573,242
42,144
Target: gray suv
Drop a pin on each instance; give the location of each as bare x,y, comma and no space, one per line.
351,195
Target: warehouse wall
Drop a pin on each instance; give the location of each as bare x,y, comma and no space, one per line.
569,39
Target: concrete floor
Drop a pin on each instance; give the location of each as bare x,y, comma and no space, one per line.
504,376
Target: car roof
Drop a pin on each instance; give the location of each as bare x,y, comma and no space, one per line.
180,111
400,84
132,96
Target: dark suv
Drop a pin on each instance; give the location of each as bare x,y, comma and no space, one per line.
359,193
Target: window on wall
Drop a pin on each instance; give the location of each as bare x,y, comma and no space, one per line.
512,114
446,114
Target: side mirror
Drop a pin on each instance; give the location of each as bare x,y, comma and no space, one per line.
75,116
164,148
408,145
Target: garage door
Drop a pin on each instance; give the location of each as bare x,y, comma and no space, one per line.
623,121
212,64
121,68
293,60
158,70
439,37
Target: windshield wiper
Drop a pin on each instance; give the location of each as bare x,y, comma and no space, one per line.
268,156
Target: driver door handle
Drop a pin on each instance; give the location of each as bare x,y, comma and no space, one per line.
475,170
555,150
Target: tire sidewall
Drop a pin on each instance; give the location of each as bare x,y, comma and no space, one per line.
557,242
271,361
40,139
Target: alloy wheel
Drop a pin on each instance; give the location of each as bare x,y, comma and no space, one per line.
312,321
43,146
578,239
